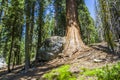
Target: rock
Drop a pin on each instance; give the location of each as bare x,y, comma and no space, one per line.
51,48
98,60
2,62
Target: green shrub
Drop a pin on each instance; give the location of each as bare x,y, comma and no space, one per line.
91,72
61,73
110,73
105,73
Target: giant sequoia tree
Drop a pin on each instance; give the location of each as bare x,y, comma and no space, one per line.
73,36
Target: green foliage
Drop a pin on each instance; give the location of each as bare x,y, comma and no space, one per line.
110,73
87,27
61,73
105,73
0,28
47,31
12,16
89,72
107,11
60,18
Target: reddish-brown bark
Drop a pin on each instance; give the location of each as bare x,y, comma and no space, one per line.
73,37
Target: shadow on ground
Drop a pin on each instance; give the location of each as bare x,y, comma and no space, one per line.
103,47
33,73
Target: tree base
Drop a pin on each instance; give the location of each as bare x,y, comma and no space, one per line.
71,52
74,42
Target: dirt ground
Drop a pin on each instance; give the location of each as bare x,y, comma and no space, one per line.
96,56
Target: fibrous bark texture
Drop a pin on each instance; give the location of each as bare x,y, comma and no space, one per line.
74,42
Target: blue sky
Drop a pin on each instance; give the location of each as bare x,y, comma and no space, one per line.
91,6
89,3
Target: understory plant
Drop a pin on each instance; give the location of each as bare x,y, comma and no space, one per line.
61,73
104,73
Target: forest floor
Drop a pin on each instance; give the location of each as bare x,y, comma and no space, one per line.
98,55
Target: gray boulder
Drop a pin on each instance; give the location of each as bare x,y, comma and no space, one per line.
51,48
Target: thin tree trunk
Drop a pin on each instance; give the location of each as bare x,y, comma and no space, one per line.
32,26
40,24
38,44
27,37
27,54
18,60
14,60
12,44
56,17
10,53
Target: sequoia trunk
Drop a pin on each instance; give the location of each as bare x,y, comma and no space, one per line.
73,38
